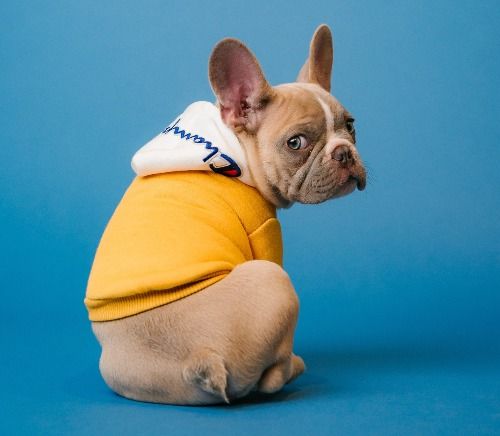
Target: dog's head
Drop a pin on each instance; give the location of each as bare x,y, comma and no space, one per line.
300,141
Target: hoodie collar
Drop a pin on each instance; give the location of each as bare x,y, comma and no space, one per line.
198,140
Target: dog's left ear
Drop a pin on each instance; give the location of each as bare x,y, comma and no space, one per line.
239,84
318,68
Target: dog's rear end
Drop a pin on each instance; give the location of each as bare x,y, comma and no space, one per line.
213,346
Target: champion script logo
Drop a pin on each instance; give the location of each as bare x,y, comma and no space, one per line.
228,167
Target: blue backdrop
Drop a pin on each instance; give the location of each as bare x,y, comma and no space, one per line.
399,284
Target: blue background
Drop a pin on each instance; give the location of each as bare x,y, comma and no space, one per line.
399,285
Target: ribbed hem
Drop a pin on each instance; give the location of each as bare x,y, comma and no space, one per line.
108,310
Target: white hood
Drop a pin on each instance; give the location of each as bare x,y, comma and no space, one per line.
197,139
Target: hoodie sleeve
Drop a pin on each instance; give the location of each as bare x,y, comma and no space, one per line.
266,242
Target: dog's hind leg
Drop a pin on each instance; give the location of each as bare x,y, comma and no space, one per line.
281,373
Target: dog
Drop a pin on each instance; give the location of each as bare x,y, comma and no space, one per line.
187,295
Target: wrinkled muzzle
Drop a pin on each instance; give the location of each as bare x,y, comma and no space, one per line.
336,171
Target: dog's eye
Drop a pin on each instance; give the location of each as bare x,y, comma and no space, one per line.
297,142
349,125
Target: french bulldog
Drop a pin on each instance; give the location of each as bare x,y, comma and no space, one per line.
235,335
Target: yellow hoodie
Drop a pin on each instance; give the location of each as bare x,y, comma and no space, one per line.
174,234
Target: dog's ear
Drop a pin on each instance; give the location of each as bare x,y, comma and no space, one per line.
318,68
239,84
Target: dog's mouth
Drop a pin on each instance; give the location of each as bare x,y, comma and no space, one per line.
356,179
358,175
359,180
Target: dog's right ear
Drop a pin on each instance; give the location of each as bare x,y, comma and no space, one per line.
239,84
318,67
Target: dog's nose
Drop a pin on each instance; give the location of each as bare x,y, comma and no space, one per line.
343,154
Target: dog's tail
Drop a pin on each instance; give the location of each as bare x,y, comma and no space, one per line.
205,369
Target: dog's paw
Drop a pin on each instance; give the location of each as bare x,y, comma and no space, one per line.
298,367
206,369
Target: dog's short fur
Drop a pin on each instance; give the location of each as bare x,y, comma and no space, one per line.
237,335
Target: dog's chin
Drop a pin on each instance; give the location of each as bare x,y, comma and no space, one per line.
347,188
336,191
